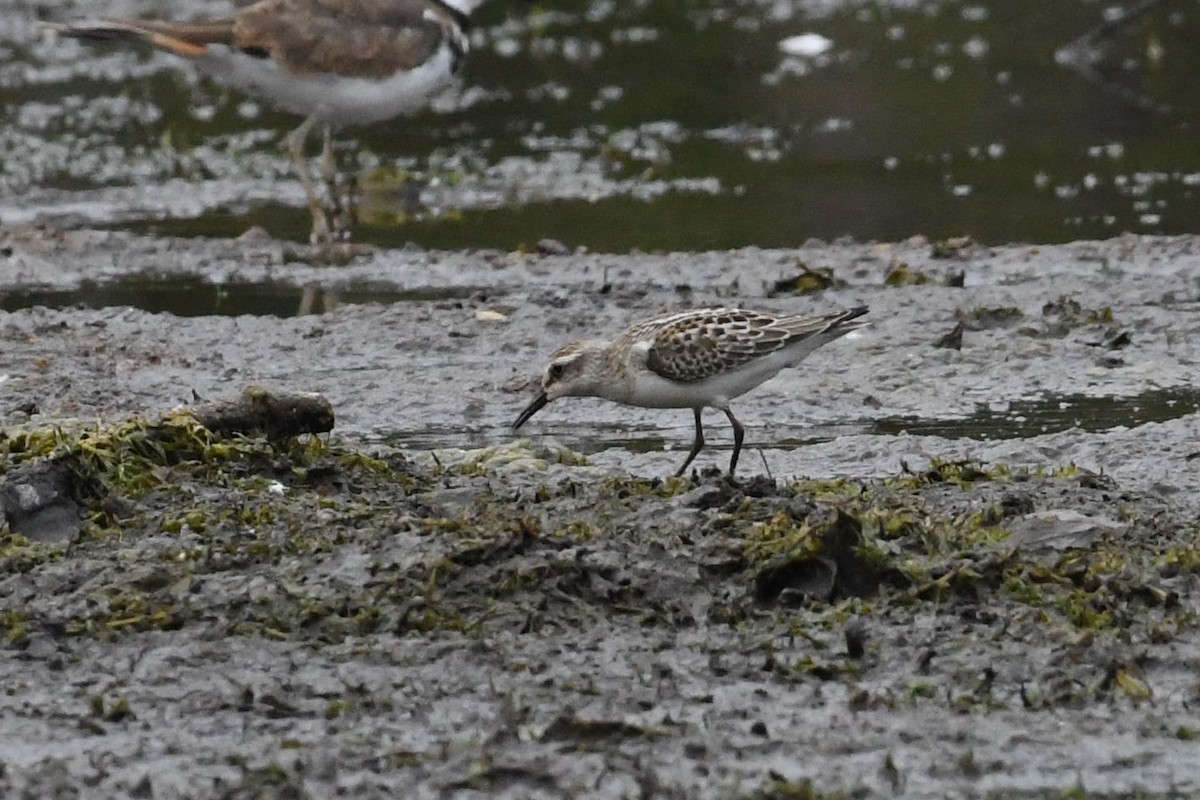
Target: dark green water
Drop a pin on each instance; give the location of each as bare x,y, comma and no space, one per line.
941,118
194,297
1052,414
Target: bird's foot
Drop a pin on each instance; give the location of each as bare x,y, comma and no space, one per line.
340,223
329,225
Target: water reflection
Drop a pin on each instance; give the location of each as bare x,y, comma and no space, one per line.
942,118
1022,419
195,297
1052,414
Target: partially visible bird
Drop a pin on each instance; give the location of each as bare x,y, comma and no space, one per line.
696,359
336,62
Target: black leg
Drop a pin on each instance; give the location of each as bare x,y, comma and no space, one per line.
739,433
696,445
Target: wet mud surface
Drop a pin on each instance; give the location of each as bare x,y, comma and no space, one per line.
965,572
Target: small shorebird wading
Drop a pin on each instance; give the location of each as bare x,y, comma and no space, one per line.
337,62
694,359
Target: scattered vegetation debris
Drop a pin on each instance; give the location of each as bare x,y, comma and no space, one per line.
822,562
569,727
988,317
1114,339
952,340
1065,314
111,709
1128,678
52,474
954,247
900,274
778,788
808,281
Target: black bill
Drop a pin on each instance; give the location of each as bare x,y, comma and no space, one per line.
538,403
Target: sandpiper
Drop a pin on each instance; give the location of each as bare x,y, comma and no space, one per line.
337,62
694,359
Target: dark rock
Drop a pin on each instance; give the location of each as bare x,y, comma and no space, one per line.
953,339
38,503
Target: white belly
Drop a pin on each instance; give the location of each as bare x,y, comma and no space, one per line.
335,99
651,391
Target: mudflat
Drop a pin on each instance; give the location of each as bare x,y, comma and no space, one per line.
943,571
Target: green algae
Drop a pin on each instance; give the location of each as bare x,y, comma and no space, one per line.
955,247
809,280
15,624
314,542
901,274
986,317
916,554
19,556
1072,312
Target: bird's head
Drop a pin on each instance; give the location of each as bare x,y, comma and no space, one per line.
574,369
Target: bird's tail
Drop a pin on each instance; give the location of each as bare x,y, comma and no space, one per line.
807,333
823,327
188,40
842,322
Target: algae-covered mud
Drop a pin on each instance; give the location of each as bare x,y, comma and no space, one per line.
962,557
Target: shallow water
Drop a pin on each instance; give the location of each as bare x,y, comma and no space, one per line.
653,125
1052,414
196,297
1015,420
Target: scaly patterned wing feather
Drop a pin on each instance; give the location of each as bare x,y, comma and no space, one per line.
696,345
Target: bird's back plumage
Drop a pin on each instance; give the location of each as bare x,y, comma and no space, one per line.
700,344
349,38
366,39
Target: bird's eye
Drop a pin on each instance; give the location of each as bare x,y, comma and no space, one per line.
556,370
